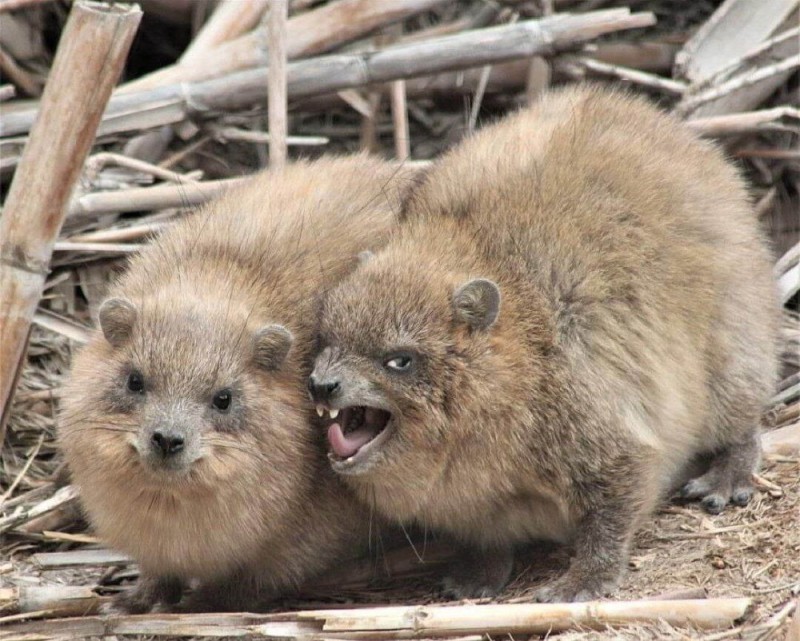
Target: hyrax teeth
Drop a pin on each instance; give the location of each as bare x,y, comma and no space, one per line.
333,413
320,411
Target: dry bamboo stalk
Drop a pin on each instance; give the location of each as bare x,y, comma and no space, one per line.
23,471
740,92
63,496
230,19
13,5
368,139
785,44
538,79
789,258
78,559
262,137
357,101
402,138
403,622
134,232
513,76
733,29
309,33
60,518
96,163
635,76
745,122
789,284
61,600
18,75
90,56
277,101
772,154
329,74
36,493
655,57
787,395
104,248
747,80
786,415
146,198
71,538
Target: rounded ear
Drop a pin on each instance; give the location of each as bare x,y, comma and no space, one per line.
272,345
477,303
117,316
365,256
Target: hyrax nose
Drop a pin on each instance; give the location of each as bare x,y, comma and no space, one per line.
323,390
167,443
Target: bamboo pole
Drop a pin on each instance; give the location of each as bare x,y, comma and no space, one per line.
327,74
402,138
309,33
67,494
146,198
230,19
401,622
90,56
278,105
747,121
61,600
18,75
405,621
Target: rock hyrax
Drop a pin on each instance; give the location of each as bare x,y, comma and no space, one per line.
577,304
186,423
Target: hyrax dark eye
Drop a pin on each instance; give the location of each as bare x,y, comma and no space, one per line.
135,382
400,363
222,400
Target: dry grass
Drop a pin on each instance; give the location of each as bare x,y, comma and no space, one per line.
753,552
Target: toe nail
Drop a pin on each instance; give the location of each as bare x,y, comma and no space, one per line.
713,504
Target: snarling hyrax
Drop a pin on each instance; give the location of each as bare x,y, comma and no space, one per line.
577,304
186,423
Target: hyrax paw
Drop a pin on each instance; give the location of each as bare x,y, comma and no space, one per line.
716,490
461,588
134,601
479,575
568,589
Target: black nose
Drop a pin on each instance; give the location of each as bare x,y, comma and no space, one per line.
167,443
322,390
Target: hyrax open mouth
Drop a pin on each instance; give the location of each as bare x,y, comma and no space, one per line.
357,429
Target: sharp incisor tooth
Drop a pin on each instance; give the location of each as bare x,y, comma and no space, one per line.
320,411
333,413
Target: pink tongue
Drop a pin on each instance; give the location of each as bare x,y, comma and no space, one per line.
344,446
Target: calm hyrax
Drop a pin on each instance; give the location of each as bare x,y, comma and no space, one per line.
578,303
186,421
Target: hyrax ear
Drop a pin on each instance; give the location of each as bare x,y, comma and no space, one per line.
365,256
272,345
117,316
477,303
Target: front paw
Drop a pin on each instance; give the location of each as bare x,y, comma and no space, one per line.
479,575
147,593
134,601
571,588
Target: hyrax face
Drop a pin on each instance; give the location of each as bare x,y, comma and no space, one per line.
173,417
180,385
399,347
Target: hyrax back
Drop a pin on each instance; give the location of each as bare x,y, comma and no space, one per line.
186,421
578,303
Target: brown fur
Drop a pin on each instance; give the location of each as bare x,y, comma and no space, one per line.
252,509
636,330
